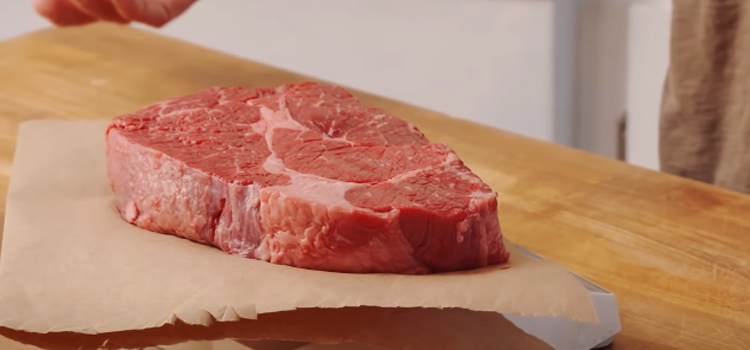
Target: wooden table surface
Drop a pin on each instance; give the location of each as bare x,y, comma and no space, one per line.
675,252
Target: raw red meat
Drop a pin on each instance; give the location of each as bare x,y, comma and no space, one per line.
302,175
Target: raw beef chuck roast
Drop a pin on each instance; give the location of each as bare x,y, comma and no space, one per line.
302,175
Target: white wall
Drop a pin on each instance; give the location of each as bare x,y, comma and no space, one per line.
17,18
565,43
601,74
648,60
486,60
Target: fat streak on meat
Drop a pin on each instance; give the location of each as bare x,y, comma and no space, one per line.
302,175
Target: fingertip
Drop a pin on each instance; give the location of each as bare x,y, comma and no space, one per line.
61,13
154,22
154,13
103,10
142,11
42,6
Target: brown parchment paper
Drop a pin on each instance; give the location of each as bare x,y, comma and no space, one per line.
74,274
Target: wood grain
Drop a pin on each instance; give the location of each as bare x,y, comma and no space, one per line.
675,252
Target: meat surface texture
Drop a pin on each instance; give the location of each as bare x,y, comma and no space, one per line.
302,175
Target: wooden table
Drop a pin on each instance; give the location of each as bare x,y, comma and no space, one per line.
675,252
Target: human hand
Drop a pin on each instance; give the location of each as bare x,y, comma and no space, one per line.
155,13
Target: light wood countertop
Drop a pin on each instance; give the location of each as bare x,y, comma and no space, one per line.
675,252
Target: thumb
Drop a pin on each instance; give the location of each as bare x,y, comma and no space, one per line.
155,13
